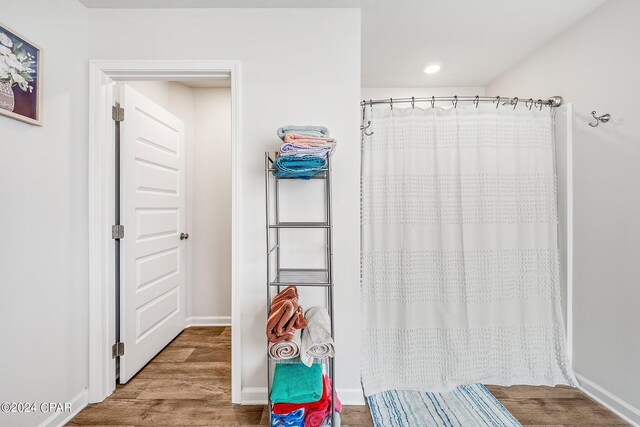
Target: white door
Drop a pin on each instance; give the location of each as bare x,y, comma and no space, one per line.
152,260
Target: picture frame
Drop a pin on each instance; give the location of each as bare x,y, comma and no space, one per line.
20,77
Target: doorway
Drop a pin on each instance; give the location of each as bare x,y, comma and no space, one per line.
168,103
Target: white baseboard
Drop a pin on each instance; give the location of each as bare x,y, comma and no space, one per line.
253,396
58,419
609,400
258,396
208,321
351,396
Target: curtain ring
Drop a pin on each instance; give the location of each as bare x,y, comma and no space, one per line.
529,103
391,102
515,104
433,102
497,101
413,102
477,101
455,101
540,101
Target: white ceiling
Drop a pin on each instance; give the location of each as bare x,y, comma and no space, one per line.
474,40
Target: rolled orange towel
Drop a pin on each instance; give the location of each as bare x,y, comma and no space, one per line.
290,292
285,316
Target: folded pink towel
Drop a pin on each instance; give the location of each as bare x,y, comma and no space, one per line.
304,140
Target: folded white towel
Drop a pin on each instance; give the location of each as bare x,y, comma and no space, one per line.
284,350
316,337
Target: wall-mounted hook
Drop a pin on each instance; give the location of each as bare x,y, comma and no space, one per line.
364,129
599,119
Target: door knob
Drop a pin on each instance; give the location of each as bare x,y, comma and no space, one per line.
184,236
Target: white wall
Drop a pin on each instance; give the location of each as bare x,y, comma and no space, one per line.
280,85
207,116
408,92
595,66
211,208
43,254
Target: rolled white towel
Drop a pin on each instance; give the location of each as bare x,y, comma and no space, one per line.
284,350
316,337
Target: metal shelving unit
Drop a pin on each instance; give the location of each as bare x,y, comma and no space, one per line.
278,276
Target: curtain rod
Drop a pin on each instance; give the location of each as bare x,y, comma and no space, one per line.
554,101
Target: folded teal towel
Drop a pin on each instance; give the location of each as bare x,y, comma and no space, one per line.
296,383
303,167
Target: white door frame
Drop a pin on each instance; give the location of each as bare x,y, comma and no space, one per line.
102,77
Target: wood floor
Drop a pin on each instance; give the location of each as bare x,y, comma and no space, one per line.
189,384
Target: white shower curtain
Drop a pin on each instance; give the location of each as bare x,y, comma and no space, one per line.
460,280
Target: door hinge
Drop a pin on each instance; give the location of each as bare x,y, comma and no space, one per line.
117,232
117,350
117,113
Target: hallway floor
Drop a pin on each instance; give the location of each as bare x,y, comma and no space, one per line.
189,384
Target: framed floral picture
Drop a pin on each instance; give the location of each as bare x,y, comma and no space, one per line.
20,87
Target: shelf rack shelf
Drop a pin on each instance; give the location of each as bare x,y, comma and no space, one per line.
300,225
301,277
278,276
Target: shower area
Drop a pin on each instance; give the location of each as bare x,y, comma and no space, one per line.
465,252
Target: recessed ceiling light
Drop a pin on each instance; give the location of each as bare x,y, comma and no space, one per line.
433,68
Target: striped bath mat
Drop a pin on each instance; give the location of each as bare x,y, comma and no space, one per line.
466,406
